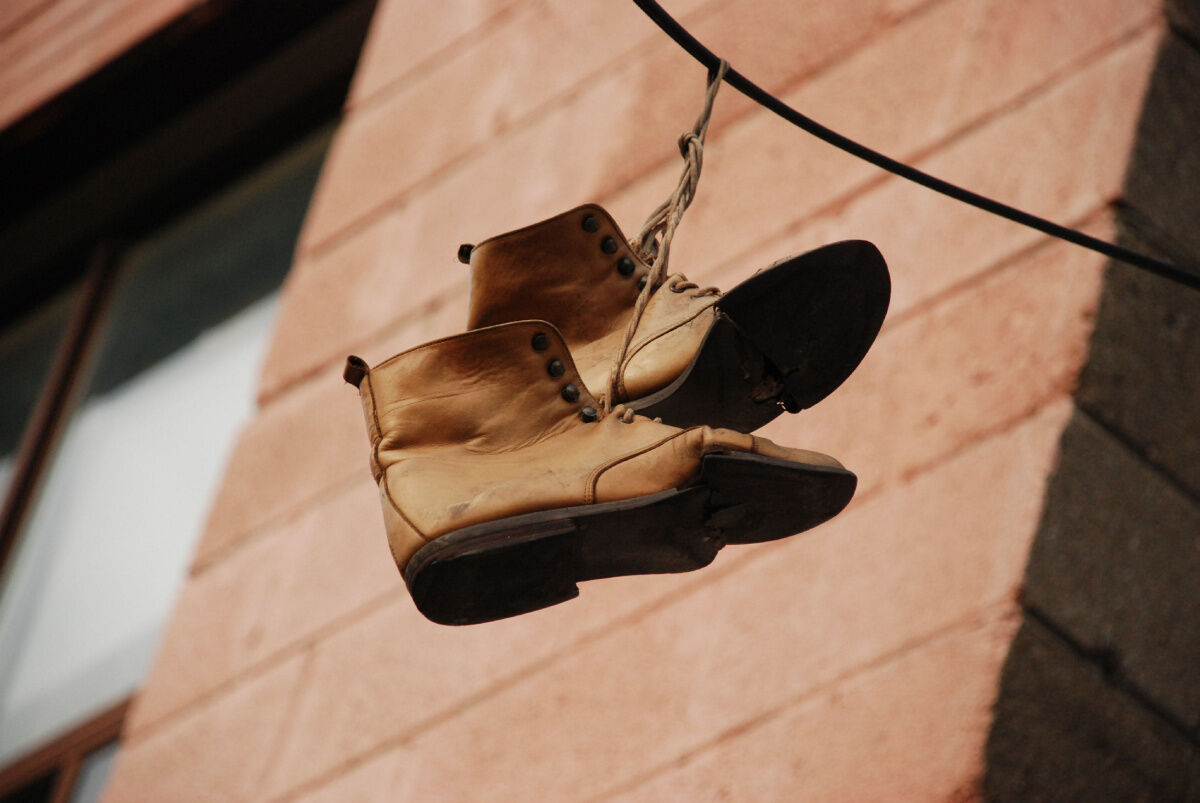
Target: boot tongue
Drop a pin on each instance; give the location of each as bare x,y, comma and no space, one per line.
575,270
493,389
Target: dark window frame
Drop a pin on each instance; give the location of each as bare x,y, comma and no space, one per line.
56,400
63,757
221,89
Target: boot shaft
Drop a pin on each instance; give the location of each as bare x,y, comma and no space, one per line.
576,270
487,391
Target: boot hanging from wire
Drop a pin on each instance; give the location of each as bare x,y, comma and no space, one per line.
653,242
644,336
505,481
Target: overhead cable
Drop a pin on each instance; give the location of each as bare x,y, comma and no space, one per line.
768,101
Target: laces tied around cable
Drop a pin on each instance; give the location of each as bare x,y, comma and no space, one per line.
653,242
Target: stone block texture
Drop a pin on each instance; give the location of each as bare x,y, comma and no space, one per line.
1099,697
907,650
1118,578
1062,731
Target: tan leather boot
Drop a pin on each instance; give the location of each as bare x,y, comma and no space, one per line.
783,339
504,484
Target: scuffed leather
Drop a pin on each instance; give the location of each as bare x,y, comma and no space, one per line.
473,428
556,271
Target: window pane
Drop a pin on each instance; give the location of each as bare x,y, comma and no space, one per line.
93,773
109,539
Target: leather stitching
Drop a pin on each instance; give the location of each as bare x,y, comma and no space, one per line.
387,492
641,344
594,477
646,341
377,437
376,431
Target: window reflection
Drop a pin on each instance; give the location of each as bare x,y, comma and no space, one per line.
109,538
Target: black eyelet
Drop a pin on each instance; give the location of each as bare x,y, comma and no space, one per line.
540,342
625,266
588,414
674,288
555,368
642,282
570,393
608,245
590,223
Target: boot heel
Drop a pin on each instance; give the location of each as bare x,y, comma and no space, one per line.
528,562
814,316
789,335
481,577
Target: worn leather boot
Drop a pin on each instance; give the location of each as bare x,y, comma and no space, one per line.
785,338
504,484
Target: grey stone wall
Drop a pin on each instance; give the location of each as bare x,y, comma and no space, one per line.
1100,694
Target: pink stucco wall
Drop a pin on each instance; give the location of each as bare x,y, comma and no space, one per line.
858,662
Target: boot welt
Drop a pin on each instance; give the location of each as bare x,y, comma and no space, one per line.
785,338
523,563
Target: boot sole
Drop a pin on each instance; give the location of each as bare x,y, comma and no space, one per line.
524,563
784,338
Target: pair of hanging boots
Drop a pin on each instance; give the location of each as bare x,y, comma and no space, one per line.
519,458
594,420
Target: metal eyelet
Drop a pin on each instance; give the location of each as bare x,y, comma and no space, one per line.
625,266
608,245
588,414
540,342
570,393
642,282
590,223
674,288
556,368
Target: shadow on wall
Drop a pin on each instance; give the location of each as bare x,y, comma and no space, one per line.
1100,694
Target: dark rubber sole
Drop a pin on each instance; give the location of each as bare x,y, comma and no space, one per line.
785,338
524,563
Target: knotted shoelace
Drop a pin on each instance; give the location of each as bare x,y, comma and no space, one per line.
653,242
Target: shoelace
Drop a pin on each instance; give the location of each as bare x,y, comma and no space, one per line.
653,242
678,283
627,415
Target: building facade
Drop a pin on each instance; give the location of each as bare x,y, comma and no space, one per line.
216,202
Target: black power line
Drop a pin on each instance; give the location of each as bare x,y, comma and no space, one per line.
765,99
